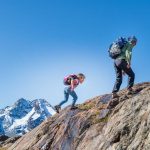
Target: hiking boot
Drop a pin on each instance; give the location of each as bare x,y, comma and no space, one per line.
114,95
73,107
57,108
130,91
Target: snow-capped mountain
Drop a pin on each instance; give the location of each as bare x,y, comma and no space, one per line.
23,116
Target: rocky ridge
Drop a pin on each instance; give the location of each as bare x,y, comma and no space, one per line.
99,124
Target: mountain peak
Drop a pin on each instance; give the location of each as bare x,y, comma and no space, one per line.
23,116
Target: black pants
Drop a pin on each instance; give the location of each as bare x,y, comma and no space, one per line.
121,65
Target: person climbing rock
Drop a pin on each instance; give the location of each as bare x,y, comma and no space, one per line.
121,52
71,81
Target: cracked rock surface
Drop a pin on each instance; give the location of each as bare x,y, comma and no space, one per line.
99,124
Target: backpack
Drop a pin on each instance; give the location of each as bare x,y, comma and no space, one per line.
67,79
115,49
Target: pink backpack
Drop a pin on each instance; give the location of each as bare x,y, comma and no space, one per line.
67,79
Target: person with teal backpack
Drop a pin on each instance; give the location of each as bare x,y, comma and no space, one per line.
71,82
121,52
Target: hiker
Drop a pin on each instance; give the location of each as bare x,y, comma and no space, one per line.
121,52
71,81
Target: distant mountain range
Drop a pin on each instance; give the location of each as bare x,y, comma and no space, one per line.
23,116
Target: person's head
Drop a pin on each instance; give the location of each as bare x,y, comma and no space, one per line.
81,77
132,40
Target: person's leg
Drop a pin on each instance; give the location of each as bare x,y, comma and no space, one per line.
118,71
130,73
75,97
66,96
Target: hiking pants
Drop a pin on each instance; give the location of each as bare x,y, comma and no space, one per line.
67,92
121,65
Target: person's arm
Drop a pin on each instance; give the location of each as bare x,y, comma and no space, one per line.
129,55
72,84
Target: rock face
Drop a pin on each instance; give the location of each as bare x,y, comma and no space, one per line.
23,116
6,141
99,124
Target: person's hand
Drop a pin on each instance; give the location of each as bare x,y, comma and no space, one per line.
72,89
128,66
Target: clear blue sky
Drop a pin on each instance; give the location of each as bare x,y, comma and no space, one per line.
41,41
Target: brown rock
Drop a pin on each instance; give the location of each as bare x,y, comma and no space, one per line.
125,127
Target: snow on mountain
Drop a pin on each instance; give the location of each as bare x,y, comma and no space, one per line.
23,116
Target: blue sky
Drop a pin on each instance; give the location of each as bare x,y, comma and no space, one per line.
42,41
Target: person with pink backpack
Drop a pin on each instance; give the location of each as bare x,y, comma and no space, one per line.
71,81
